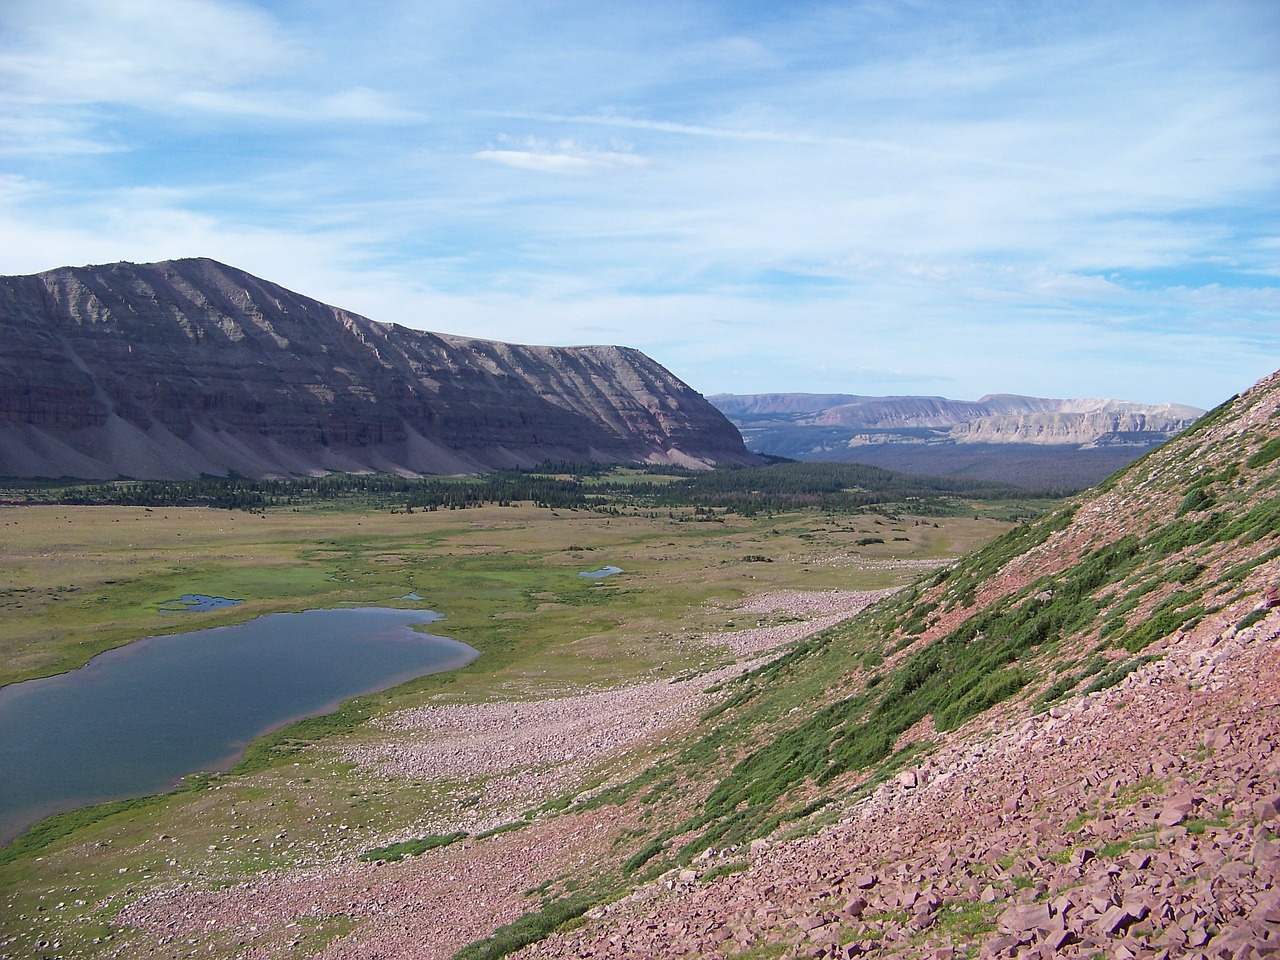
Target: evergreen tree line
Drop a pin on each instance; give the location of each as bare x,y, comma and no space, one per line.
568,485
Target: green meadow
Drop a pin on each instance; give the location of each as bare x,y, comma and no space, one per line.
79,580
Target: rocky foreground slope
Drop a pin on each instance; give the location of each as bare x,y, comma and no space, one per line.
189,367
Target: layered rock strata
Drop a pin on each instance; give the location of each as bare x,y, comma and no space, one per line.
190,367
998,418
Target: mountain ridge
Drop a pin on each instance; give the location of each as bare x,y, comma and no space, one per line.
1030,441
189,367
872,411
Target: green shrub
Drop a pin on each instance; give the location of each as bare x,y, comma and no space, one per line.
502,828
1252,617
643,856
1265,454
1197,498
1240,571
410,848
1116,674
527,929
1059,689
1112,626
994,688
724,869
1164,620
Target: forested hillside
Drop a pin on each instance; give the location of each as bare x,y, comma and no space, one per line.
568,485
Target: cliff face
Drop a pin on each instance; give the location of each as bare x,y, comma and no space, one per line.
187,367
998,418
1079,429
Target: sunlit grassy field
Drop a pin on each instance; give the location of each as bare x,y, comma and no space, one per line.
78,580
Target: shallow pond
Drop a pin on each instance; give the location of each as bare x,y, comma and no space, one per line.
196,603
606,571
135,720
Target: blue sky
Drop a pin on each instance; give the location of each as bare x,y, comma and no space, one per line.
1060,199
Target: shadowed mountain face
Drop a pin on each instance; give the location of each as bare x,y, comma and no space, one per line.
189,367
1031,441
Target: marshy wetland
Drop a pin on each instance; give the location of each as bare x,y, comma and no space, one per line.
77,581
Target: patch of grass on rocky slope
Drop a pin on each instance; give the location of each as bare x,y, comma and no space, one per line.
786,731
529,928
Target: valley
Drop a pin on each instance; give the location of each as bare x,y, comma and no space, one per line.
1034,442
820,731
681,481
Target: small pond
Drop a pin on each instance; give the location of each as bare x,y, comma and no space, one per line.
135,720
606,571
196,603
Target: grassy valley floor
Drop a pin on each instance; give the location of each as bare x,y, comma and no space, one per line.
579,685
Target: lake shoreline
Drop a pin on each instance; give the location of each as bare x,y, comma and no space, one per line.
528,752
196,703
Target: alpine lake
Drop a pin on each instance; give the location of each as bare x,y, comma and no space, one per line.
136,719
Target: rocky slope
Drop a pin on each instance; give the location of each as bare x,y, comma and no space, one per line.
1063,745
175,369
999,437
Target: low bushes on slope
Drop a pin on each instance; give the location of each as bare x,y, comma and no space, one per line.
842,703
799,735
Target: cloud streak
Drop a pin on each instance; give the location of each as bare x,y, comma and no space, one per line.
564,157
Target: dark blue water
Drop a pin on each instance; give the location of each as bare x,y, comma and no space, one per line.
135,720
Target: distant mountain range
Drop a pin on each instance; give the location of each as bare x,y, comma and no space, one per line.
190,367
1028,440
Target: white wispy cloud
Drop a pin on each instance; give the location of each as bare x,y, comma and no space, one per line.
29,131
565,156
138,51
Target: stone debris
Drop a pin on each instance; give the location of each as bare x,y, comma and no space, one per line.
421,908
536,749
820,608
1138,822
